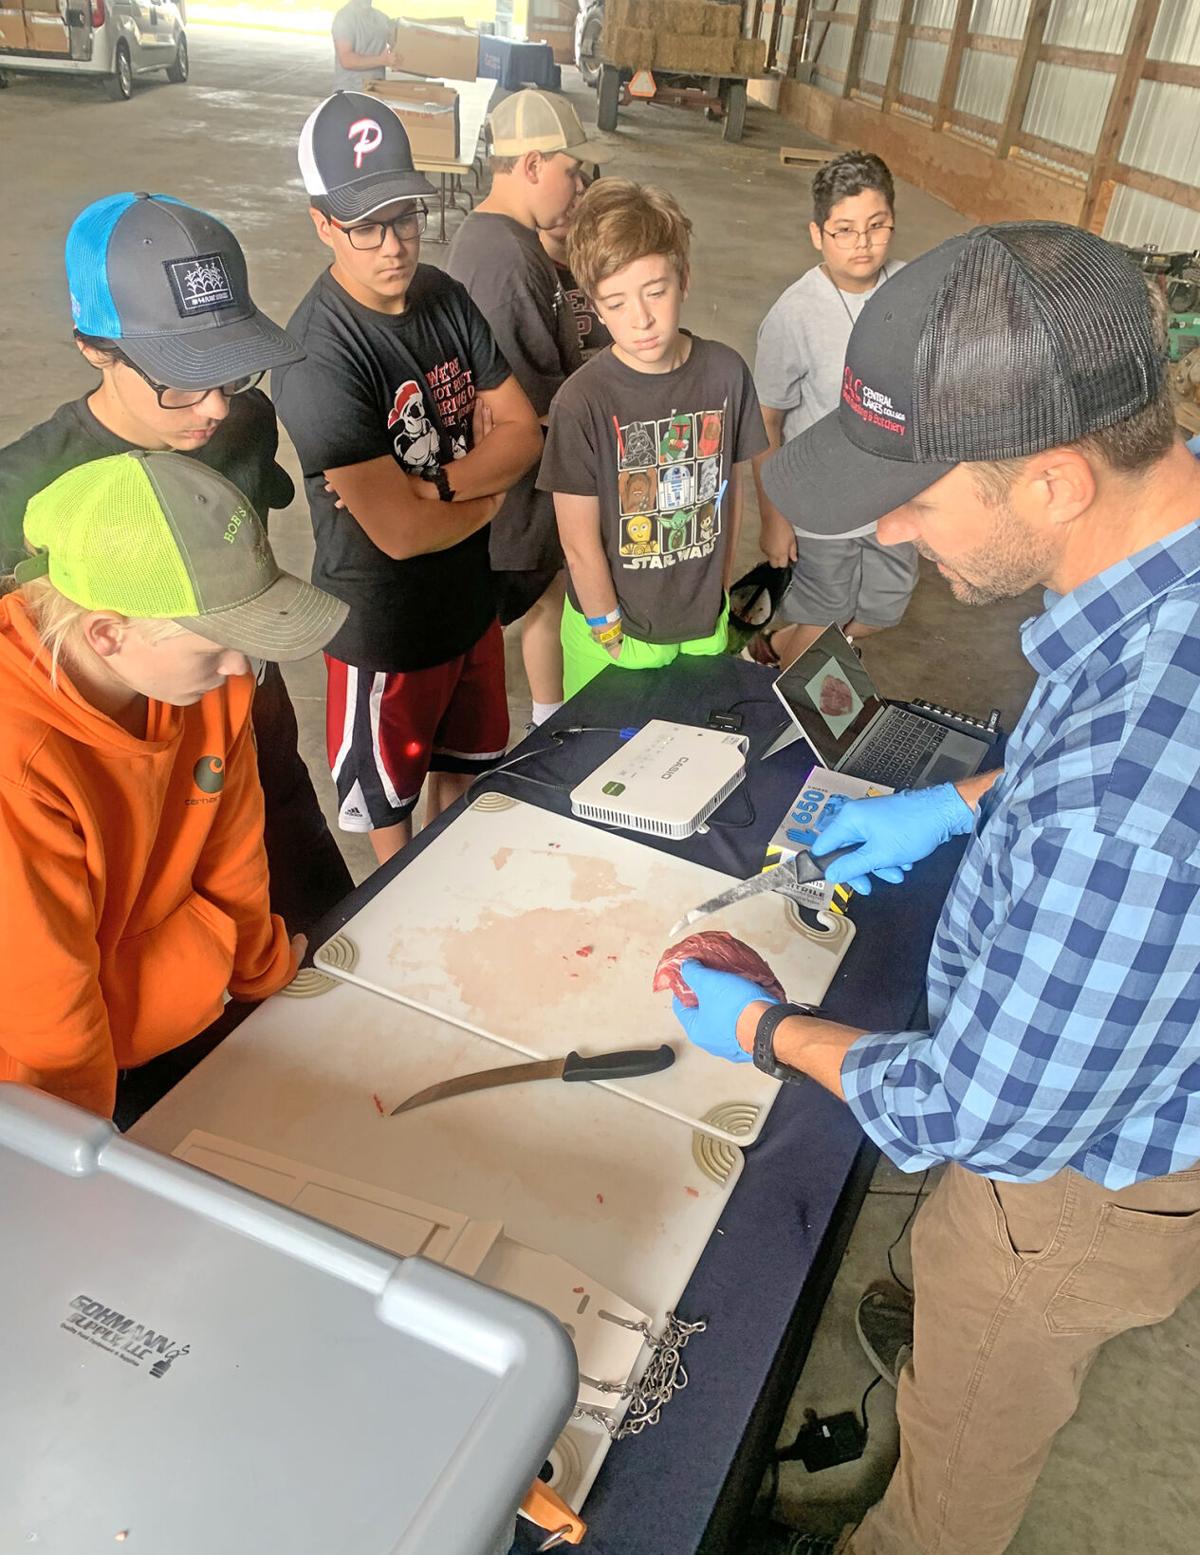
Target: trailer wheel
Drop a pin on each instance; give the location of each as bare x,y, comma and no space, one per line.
587,43
608,94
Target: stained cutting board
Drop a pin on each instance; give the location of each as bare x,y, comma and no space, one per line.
567,1169
543,934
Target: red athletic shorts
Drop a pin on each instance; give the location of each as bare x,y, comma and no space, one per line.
384,733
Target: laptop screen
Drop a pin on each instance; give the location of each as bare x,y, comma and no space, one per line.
829,695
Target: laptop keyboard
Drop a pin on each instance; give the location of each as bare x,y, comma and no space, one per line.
898,752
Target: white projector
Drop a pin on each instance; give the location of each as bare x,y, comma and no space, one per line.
667,780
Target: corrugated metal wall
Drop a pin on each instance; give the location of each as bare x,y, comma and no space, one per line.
1067,101
830,45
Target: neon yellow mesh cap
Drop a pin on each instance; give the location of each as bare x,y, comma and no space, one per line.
538,121
161,536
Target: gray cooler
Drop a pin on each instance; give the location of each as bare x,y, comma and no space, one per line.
188,1368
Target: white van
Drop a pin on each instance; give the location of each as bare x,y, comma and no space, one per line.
115,39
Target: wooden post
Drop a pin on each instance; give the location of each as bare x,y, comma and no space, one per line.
1018,97
1116,120
858,41
896,63
953,67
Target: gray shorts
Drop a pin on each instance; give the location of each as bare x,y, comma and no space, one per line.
845,580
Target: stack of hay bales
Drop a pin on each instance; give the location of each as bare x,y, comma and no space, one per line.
696,36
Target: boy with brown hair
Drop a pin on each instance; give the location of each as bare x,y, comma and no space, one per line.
644,448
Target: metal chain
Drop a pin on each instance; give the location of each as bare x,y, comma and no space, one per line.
662,1379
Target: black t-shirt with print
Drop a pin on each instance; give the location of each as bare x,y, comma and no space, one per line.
593,333
242,449
403,384
657,451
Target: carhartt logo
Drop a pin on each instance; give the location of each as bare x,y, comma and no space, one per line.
369,138
209,774
236,520
201,285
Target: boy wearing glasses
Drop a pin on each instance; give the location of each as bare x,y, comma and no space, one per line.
162,310
859,584
410,428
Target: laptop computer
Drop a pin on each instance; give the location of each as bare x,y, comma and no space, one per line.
832,703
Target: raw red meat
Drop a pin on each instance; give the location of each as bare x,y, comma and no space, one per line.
720,951
836,697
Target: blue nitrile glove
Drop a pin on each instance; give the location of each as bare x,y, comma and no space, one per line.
723,996
895,831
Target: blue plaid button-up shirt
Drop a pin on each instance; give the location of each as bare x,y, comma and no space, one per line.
1064,979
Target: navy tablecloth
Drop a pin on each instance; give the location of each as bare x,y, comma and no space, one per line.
516,64
684,1485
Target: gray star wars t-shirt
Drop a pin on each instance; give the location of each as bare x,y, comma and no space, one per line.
657,450
367,31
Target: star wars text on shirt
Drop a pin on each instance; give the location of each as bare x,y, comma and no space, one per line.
668,488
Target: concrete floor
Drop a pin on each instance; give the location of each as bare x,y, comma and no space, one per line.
1122,1476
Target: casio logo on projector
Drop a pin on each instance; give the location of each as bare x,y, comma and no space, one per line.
672,770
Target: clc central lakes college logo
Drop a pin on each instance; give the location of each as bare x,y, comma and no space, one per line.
871,405
201,284
209,777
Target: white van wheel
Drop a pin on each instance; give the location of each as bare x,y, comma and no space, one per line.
178,72
121,85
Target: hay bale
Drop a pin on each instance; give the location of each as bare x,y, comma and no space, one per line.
632,46
682,16
750,57
698,55
722,21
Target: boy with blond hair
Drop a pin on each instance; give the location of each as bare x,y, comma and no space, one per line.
644,448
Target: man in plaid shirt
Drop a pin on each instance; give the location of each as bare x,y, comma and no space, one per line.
1005,408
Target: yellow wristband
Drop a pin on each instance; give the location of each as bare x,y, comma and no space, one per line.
609,634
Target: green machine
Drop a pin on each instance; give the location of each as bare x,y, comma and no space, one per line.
1179,276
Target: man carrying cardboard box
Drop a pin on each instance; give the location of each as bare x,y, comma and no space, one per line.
362,47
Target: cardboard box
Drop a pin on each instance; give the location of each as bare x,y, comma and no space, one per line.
447,52
561,41
429,113
47,32
12,30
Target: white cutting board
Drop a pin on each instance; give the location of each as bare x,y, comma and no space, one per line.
567,1169
543,933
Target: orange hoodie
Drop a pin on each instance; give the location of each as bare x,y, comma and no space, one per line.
133,878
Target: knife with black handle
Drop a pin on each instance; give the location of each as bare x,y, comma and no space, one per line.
628,1064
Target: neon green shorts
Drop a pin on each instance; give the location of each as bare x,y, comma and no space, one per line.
584,658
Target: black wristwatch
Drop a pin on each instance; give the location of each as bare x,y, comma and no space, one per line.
442,481
764,1040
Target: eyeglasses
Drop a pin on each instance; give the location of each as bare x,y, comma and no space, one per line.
371,234
847,238
181,399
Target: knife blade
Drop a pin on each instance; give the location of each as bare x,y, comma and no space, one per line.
624,1065
800,869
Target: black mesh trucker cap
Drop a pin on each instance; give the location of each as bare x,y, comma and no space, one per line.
994,345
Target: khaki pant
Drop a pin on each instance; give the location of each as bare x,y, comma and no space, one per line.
1017,1287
